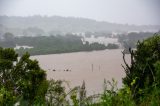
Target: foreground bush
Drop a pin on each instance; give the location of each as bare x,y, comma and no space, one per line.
21,79
143,75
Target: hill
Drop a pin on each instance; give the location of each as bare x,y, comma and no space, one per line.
59,25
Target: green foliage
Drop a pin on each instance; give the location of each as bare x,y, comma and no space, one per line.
21,78
130,40
74,99
8,40
143,73
51,44
56,95
6,97
112,46
114,97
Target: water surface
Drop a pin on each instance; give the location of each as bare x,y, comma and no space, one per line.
92,67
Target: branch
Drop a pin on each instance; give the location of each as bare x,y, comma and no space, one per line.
125,60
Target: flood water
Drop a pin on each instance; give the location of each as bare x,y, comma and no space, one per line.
92,67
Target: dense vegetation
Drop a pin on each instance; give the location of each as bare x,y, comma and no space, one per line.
21,80
142,76
50,44
130,40
24,82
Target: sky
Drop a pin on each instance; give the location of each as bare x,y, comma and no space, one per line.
138,12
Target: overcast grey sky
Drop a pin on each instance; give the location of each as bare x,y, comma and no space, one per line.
117,11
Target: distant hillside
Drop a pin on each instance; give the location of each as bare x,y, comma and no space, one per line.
57,24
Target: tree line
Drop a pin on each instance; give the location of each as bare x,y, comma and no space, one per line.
51,44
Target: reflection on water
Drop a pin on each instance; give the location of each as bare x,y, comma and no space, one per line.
92,67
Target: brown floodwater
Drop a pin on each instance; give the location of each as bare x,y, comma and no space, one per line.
92,67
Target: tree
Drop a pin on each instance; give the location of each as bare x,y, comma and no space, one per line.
142,76
21,78
9,40
56,95
7,58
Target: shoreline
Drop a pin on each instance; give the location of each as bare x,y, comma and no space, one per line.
72,52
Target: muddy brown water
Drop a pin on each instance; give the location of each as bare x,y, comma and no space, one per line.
92,67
